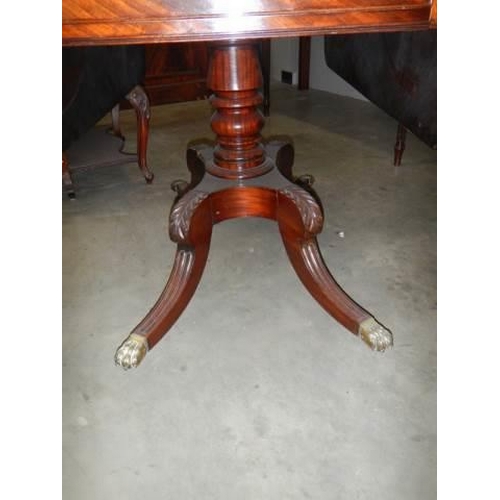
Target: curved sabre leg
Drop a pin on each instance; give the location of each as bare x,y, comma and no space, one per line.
138,99
191,228
300,219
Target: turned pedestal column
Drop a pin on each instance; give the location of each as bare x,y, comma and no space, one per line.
243,177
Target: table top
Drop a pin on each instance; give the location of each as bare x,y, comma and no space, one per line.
112,22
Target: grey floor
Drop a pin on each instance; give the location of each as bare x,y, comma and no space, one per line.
256,393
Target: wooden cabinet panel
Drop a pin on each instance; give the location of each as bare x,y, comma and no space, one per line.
176,72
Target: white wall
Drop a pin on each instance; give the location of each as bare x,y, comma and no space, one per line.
285,56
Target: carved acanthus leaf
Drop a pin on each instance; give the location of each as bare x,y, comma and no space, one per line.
181,214
308,207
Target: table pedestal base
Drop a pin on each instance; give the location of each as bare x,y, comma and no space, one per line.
276,195
242,177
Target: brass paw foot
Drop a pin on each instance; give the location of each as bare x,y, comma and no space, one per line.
375,335
131,352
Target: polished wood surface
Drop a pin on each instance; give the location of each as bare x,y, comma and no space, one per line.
434,13
101,22
278,196
177,72
235,77
140,103
240,176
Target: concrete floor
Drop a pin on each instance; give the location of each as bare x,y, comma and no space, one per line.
256,393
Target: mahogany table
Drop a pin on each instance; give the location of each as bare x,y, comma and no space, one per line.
239,176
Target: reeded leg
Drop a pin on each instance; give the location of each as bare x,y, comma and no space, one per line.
300,219
191,227
140,102
399,147
238,177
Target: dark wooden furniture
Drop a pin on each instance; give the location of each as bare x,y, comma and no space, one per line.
395,71
95,80
240,176
177,72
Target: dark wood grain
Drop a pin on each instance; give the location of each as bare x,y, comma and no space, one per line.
176,72
300,220
139,101
190,259
99,22
235,77
274,197
237,178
